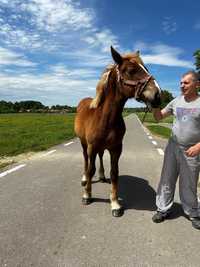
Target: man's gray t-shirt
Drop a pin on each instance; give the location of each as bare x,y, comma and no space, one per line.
186,125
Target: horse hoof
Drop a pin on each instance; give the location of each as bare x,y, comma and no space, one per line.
83,183
118,212
102,180
86,201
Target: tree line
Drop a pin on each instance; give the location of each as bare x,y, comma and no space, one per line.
37,107
33,106
197,60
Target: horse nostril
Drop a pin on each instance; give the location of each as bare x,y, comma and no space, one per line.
157,100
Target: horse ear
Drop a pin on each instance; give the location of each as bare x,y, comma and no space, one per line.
138,53
116,56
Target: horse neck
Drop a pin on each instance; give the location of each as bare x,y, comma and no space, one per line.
114,101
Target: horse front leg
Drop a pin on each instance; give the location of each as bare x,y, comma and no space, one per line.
87,195
117,209
101,168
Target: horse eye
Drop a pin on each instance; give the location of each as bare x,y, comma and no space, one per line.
131,72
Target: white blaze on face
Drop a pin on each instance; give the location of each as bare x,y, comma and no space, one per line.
156,84
143,68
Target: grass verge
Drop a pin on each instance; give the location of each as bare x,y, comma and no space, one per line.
149,118
159,130
21,133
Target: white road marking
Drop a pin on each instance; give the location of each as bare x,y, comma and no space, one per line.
154,142
140,123
48,153
12,170
68,144
160,151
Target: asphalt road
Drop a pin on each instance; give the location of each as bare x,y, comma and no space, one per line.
43,223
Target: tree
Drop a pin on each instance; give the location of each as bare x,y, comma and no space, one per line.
6,107
166,98
197,60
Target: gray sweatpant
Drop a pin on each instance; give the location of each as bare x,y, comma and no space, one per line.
175,164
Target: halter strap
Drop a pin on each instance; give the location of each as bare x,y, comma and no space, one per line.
139,84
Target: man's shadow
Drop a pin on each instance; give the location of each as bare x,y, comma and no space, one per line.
136,193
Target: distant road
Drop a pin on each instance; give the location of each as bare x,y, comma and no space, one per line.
43,222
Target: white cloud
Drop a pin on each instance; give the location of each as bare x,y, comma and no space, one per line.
46,87
53,15
62,70
103,39
89,58
8,57
162,54
52,26
51,31
20,38
197,25
169,26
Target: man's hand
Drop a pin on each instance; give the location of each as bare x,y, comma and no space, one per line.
157,114
193,150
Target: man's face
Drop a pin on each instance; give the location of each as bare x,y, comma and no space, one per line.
188,85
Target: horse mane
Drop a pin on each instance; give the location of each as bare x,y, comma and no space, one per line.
104,79
101,86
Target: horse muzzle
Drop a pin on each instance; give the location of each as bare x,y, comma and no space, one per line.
156,102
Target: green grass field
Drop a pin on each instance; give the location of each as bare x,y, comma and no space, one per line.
154,127
159,130
21,133
149,118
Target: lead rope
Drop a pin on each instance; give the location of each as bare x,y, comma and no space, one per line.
144,116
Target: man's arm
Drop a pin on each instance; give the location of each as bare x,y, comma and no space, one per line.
160,114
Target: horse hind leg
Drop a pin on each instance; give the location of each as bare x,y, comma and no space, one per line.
87,195
117,209
85,155
102,178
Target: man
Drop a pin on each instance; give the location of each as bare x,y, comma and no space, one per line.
182,154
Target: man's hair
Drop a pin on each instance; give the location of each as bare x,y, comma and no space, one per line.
196,75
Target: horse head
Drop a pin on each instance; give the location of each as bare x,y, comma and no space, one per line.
134,80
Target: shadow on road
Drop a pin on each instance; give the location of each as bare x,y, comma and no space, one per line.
136,193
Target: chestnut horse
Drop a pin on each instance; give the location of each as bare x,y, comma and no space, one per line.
103,127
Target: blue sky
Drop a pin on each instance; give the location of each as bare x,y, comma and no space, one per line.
54,51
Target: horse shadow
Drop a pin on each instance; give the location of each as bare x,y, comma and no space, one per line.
136,193
133,193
